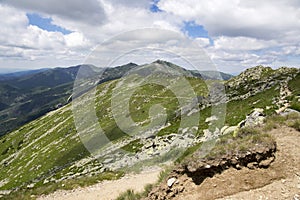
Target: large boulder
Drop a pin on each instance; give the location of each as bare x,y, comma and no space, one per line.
255,118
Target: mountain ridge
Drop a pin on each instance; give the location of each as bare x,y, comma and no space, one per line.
28,95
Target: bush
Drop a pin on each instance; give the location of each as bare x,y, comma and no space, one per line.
296,125
247,131
129,195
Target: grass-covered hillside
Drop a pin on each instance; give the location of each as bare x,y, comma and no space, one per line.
25,96
46,152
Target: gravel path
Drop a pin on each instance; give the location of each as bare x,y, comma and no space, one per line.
107,190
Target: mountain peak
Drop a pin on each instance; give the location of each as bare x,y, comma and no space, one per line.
159,61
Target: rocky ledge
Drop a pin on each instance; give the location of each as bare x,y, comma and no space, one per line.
259,156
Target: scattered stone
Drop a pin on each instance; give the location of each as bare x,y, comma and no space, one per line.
210,119
255,118
5,192
207,166
108,160
238,167
252,165
289,111
30,186
171,181
229,130
266,163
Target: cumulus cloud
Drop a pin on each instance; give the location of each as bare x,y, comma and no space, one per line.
89,11
149,44
241,33
24,45
242,43
259,19
245,33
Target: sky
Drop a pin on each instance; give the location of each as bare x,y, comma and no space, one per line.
233,34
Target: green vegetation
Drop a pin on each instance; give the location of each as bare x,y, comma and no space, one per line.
237,110
131,195
50,149
275,121
294,86
188,152
246,139
133,147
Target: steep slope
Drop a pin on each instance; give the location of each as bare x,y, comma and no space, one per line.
25,96
48,150
29,95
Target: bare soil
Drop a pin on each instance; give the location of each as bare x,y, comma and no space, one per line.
107,190
280,181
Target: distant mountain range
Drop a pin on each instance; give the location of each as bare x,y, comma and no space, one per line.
24,96
27,95
8,76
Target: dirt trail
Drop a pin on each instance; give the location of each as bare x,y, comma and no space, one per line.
280,181
107,190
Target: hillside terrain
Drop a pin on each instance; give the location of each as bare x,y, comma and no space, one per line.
51,148
27,95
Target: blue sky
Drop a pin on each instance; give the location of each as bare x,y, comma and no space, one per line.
191,28
45,23
153,6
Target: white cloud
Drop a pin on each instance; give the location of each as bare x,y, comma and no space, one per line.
202,42
21,43
242,43
89,11
76,39
244,33
260,19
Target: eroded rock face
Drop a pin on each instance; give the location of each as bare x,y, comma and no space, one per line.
199,170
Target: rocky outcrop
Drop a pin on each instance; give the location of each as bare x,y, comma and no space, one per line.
257,79
255,118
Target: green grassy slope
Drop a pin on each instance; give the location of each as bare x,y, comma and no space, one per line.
48,149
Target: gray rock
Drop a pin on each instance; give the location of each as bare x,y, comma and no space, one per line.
210,119
229,130
289,111
30,186
255,118
108,160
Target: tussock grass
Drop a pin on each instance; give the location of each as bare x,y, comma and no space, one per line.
246,139
275,121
